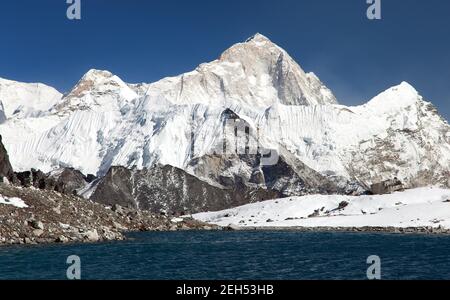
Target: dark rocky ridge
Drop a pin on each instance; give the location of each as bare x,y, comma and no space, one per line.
6,170
169,190
66,181
285,178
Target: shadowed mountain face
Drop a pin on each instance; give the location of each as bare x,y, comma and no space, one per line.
285,177
6,171
215,186
65,181
166,189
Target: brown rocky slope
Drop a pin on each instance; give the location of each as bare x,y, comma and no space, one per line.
54,217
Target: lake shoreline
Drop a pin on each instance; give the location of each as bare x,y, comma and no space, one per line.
213,228
30,216
366,229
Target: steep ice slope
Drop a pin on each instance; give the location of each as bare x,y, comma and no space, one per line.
105,122
22,100
395,134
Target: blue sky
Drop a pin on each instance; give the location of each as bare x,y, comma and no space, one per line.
145,40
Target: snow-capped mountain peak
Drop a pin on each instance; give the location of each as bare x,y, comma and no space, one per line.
401,101
100,89
254,74
259,55
258,38
23,100
399,95
96,75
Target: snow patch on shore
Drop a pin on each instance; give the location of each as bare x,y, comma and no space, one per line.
17,202
422,207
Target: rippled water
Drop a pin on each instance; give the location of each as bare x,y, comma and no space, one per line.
237,255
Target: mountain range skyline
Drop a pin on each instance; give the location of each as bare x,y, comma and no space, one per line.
138,83
93,70
353,56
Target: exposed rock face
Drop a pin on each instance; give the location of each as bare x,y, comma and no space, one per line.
284,178
239,159
171,190
386,187
33,178
96,89
414,148
6,171
51,217
66,181
259,56
2,113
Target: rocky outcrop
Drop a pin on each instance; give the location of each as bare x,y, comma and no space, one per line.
51,217
66,181
6,171
385,187
172,191
283,178
31,178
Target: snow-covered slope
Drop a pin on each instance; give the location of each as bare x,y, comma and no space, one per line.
423,207
22,100
17,202
98,91
396,134
177,121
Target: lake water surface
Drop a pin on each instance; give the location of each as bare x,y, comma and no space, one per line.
237,255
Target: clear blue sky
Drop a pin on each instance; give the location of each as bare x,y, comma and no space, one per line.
145,40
